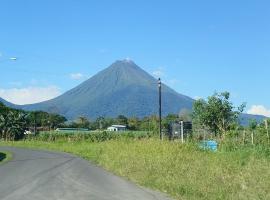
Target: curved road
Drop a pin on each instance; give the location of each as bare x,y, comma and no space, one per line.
38,175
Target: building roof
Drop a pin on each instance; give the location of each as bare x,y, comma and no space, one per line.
118,126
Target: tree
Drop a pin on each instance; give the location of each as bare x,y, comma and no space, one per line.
45,120
217,113
166,121
133,123
149,124
83,122
122,120
56,120
12,123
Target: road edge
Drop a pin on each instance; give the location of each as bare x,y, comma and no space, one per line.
7,158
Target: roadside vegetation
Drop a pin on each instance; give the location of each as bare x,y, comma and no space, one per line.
4,156
181,170
239,169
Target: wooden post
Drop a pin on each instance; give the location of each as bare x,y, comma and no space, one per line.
252,137
244,136
182,132
267,131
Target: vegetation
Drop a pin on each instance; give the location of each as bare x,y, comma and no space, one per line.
93,136
14,123
238,170
181,170
217,113
4,156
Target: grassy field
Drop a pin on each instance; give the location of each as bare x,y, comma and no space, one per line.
182,171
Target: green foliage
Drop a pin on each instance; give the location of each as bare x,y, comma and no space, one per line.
217,113
12,123
93,136
2,156
122,120
253,124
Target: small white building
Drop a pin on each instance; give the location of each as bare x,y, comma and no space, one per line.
117,128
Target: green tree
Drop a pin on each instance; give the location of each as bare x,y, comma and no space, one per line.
217,113
166,121
133,123
56,120
122,120
12,123
83,122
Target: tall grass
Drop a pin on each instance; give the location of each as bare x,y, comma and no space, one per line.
90,136
181,170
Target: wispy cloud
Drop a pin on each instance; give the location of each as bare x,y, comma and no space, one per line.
76,76
197,98
158,73
165,78
259,110
30,94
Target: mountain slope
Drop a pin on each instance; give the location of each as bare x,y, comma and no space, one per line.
8,104
122,88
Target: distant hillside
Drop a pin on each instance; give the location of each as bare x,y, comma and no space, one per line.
245,118
7,103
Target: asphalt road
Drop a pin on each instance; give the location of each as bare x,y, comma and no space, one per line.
38,175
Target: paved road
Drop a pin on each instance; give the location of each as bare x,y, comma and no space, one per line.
38,175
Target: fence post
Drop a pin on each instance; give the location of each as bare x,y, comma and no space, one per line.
182,131
252,137
244,136
267,131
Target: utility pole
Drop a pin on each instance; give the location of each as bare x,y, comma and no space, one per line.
35,123
159,90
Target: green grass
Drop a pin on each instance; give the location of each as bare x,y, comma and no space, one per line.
4,156
182,171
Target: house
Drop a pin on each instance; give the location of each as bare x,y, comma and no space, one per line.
117,128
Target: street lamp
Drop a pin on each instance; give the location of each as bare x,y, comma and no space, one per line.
159,90
9,59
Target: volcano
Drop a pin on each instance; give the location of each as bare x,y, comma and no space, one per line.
121,89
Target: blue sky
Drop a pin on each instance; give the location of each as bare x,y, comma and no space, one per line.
197,47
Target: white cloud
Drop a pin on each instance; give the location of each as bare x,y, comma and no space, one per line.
30,94
259,110
158,73
76,76
197,98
